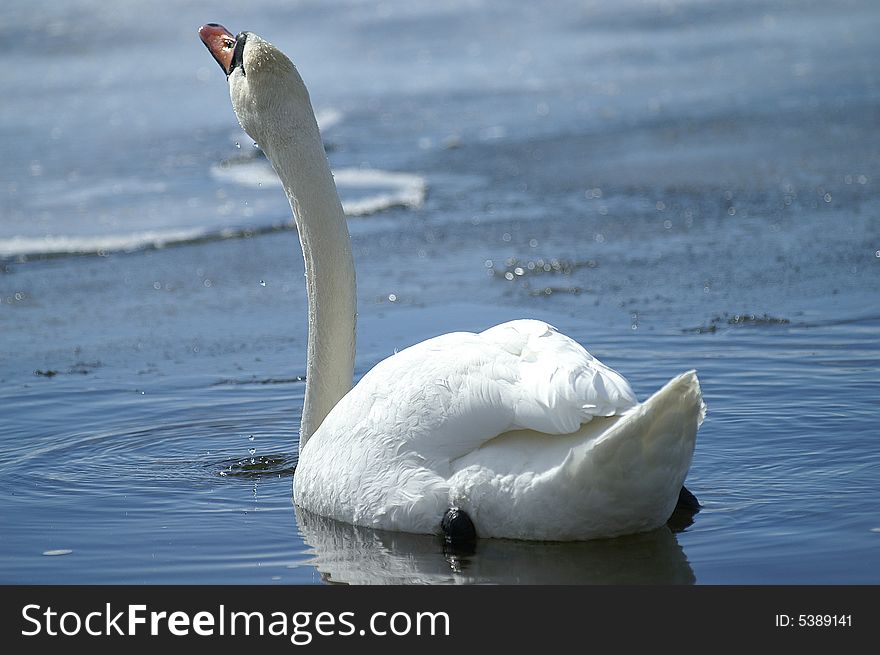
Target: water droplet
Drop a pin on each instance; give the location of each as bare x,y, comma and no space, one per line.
877,253
731,211
262,283
827,197
251,438
222,474
238,145
518,270
508,275
59,551
392,297
533,243
489,263
252,450
506,236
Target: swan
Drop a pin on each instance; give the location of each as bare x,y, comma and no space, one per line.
514,432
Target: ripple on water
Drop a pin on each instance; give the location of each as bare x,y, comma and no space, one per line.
148,487
258,466
131,485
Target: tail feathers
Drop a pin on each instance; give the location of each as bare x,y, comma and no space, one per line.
641,462
694,390
684,392
616,475
675,412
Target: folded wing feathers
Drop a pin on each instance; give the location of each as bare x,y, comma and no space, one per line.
560,385
451,394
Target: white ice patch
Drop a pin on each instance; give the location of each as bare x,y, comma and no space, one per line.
363,191
404,190
55,245
327,118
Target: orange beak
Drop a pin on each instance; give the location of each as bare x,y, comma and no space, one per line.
221,44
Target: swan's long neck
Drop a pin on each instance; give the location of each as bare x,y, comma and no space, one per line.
301,163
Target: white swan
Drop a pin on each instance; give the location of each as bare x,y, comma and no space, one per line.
518,426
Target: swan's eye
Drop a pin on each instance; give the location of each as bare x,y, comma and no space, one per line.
228,44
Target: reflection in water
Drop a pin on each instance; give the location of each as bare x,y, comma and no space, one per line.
345,553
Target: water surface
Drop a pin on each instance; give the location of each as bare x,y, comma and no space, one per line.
675,185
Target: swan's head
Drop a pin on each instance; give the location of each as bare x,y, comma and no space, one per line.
268,95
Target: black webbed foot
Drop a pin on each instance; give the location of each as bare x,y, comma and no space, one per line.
457,527
685,509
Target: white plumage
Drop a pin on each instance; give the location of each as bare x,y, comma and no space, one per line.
518,426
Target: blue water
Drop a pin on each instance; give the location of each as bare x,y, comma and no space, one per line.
675,185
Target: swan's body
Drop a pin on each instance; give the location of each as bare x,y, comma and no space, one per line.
518,426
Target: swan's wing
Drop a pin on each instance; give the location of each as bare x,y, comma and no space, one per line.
560,385
447,396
